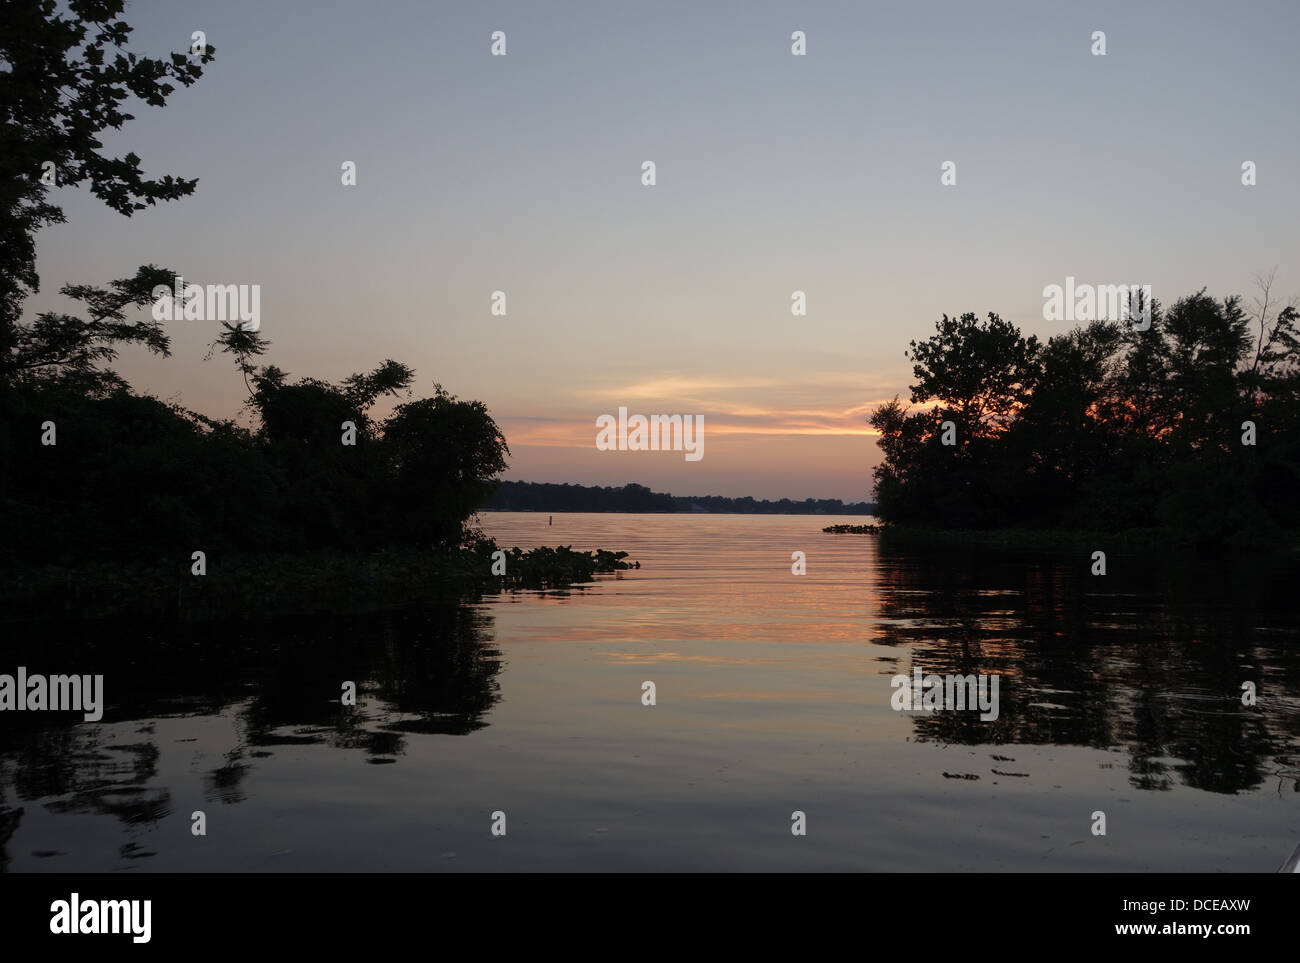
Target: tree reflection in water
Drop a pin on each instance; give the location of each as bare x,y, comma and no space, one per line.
1151,659
429,671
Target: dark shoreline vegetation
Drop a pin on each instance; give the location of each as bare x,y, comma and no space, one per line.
115,502
520,496
318,507
255,587
1182,430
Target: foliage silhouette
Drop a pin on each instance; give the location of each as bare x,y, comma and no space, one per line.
1106,427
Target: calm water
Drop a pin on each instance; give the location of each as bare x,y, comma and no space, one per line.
1118,694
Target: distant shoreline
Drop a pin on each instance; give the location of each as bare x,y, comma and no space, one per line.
623,511
551,497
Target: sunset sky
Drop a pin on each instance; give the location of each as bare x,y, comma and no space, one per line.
775,173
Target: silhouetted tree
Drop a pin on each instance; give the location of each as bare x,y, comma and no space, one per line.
67,77
1105,427
440,455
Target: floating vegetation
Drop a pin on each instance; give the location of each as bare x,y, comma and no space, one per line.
254,586
558,567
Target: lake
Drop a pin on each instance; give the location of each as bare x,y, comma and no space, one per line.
1119,695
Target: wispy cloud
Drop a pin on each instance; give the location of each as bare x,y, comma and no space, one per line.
581,432
830,405
681,387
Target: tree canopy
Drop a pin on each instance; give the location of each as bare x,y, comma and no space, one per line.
88,468
1191,424
68,78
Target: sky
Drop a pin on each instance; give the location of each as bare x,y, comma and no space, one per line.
774,173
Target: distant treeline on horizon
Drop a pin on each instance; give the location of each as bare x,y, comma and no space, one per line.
519,496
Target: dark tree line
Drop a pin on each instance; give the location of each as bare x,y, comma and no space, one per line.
130,476
127,475
1190,425
518,496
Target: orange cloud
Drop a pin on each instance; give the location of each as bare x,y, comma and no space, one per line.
723,403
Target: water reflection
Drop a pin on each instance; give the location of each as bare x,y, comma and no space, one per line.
769,677
430,671
1151,657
